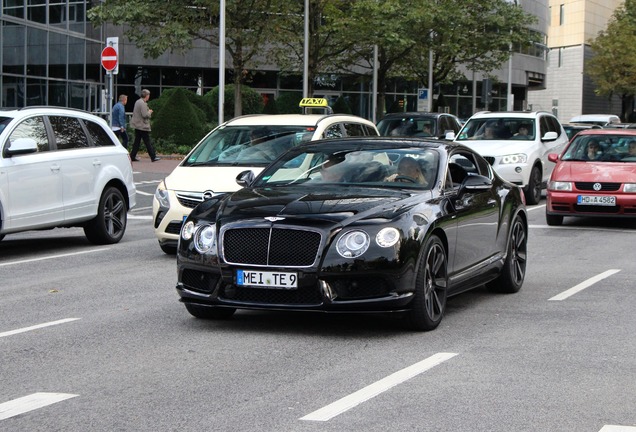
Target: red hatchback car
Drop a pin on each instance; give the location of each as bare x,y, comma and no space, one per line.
594,176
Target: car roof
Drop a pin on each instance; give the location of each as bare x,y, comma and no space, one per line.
415,114
293,119
594,117
378,142
611,131
508,114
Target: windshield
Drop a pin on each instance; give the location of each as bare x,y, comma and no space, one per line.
498,129
247,145
394,167
604,148
407,126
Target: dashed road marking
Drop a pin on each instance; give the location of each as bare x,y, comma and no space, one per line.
38,326
585,284
25,261
30,403
613,428
346,403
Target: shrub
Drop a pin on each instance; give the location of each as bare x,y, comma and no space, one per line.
341,106
287,103
251,99
178,121
196,100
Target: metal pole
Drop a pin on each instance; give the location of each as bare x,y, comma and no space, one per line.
221,60
306,53
509,98
374,96
430,80
109,108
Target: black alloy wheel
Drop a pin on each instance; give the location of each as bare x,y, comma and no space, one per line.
429,302
109,225
514,270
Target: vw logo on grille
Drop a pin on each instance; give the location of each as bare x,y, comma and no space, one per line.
208,194
274,218
597,186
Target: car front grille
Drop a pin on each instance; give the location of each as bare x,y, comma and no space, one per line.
306,295
589,186
597,209
277,246
360,288
198,281
174,227
189,199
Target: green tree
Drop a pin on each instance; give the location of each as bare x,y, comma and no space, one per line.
251,100
178,121
158,26
613,67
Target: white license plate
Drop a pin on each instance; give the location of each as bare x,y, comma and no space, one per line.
596,200
284,280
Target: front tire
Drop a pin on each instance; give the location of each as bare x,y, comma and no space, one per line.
431,288
514,269
209,313
533,190
109,225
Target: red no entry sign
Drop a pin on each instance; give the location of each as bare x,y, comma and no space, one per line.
109,58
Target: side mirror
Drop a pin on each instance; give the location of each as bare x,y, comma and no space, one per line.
550,136
475,183
449,135
21,146
245,178
553,157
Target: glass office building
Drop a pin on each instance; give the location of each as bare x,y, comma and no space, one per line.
49,54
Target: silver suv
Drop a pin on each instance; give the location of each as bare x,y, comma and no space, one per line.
61,167
517,144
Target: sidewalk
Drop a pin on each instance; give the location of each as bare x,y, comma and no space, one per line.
163,166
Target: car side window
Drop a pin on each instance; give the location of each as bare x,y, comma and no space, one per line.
333,131
32,128
354,129
98,135
369,131
68,133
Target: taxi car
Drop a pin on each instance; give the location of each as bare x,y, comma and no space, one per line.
521,158
369,239
594,176
62,167
251,141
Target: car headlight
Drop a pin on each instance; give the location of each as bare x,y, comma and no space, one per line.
352,244
204,238
161,194
514,159
387,237
560,186
629,188
187,230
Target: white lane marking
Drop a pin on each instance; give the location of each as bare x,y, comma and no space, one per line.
52,257
585,284
614,428
535,207
145,193
346,403
138,209
149,217
30,403
145,182
584,228
38,326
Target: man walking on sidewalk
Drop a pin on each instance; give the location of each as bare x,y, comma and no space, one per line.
141,123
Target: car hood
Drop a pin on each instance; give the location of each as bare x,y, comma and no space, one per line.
499,147
595,171
324,207
204,178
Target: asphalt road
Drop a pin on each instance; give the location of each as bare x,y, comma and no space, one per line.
94,339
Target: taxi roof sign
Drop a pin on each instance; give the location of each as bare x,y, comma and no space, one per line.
306,103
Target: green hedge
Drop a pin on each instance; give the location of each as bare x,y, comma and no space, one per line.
177,120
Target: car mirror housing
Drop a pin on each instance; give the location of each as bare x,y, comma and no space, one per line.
245,178
553,157
22,146
550,136
475,183
450,135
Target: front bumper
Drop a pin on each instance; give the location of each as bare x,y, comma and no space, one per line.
565,204
167,222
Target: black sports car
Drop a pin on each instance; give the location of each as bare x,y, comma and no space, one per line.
356,225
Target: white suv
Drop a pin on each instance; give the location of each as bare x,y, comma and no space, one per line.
248,142
517,144
62,167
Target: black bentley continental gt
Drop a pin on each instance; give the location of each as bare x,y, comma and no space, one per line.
372,224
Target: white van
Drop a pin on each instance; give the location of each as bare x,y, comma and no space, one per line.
597,119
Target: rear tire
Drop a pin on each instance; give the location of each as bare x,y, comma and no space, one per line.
109,225
554,220
513,272
209,312
431,288
533,190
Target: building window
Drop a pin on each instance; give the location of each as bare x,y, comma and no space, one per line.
561,14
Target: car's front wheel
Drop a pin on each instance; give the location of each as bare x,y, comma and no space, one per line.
109,225
514,270
205,312
532,190
431,288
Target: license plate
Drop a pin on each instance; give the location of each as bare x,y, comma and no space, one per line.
596,200
283,280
